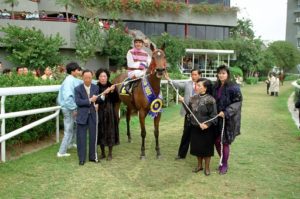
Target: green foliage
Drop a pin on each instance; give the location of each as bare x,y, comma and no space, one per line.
117,45
174,50
89,39
243,29
150,7
30,47
26,102
291,77
286,55
209,9
235,71
251,80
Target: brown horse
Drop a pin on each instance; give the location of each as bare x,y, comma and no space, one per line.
138,101
281,77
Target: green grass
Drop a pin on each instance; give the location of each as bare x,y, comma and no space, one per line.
264,162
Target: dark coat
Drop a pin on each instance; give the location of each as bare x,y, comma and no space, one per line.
84,107
229,100
108,128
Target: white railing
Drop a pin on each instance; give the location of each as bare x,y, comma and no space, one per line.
10,91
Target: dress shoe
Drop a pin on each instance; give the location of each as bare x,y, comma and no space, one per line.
223,170
109,158
197,169
179,158
81,163
95,161
207,173
103,156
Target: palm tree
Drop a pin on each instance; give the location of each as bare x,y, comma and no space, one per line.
67,4
12,3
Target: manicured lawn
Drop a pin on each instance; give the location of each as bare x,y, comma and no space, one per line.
264,162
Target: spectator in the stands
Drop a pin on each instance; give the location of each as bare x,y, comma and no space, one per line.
5,14
47,74
43,14
73,18
60,16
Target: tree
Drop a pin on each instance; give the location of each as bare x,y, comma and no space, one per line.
67,4
175,50
12,3
89,39
117,45
30,47
286,55
243,30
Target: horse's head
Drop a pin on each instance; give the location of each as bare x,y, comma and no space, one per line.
158,62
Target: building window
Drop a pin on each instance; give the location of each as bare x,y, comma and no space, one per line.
298,42
152,29
298,4
176,30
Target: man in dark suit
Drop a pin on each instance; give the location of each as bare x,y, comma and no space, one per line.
85,98
189,91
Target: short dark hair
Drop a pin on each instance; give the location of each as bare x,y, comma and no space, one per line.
199,72
87,71
72,66
19,67
102,70
207,84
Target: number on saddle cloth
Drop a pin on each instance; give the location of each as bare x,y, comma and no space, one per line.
127,86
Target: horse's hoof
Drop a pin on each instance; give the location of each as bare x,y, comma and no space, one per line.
129,140
158,157
143,157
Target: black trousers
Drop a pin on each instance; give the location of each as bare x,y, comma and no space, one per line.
81,140
185,139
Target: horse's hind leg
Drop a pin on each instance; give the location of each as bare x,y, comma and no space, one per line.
142,116
128,115
156,134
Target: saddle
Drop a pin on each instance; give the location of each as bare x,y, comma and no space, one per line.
128,86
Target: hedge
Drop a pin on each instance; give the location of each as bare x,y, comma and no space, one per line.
27,102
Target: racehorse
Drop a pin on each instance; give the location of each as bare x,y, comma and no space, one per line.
139,102
281,77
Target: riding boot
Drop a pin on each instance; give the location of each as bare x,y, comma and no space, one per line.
224,167
128,85
109,157
102,151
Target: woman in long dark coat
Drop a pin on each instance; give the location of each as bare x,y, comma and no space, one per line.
108,129
229,103
203,106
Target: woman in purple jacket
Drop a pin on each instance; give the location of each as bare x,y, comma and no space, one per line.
229,102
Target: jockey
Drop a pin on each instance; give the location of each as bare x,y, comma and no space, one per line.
138,60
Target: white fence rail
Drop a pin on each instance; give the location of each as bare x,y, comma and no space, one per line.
11,91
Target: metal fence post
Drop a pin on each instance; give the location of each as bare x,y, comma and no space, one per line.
57,128
3,148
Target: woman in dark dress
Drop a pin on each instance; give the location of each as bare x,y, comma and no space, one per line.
203,106
229,103
108,129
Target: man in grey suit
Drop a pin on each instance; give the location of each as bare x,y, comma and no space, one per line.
189,91
85,98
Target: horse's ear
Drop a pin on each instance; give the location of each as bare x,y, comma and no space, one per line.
152,47
163,46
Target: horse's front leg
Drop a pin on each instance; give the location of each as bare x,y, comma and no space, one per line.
142,116
156,134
